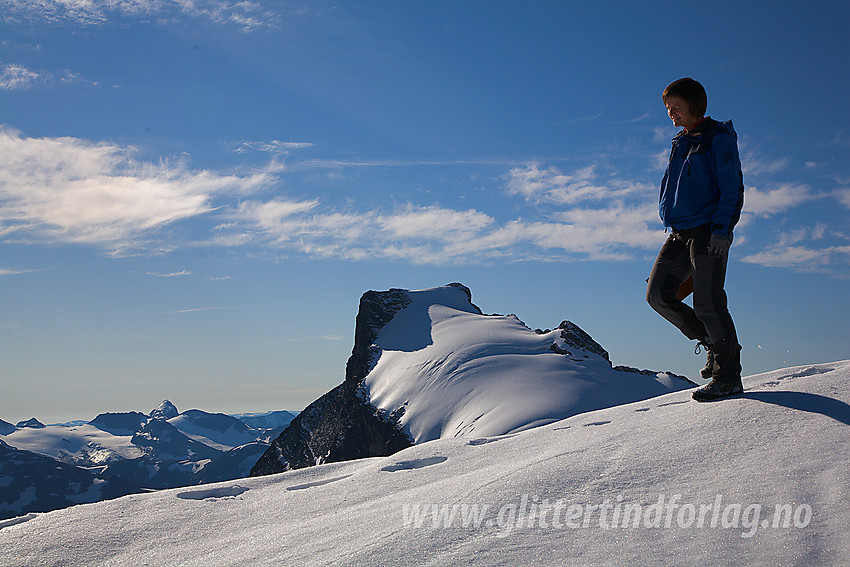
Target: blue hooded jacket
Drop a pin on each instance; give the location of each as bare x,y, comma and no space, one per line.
703,182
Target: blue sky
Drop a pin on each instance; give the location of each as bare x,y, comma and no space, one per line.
194,195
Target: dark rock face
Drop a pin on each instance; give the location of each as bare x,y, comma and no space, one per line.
342,424
575,336
377,308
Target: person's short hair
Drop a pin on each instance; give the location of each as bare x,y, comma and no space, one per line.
691,92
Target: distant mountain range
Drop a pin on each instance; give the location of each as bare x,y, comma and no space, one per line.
44,468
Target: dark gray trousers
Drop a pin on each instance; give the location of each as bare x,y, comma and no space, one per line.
685,253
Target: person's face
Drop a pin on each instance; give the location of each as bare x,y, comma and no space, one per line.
680,112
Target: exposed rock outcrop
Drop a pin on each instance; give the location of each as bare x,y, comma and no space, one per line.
342,424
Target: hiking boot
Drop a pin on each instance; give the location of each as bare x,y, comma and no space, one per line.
708,369
717,389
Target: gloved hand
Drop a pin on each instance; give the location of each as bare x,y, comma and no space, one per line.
719,245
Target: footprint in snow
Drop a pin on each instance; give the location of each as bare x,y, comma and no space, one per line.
316,483
672,404
597,423
18,520
802,373
485,440
414,464
223,492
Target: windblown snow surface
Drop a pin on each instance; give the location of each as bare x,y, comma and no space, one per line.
757,479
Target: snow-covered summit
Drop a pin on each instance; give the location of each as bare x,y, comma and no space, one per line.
165,410
450,371
31,423
428,364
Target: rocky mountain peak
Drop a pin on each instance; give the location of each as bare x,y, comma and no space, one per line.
6,427
31,423
429,363
165,410
343,424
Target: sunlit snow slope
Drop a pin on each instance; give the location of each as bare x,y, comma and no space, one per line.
552,495
458,373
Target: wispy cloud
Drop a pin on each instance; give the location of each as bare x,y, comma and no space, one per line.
843,195
13,77
549,184
818,248
830,260
170,274
649,112
11,272
601,218
756,163
195,310
18,77
245,15
772,201
274,147
72,190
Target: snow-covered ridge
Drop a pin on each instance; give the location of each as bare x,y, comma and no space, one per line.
119,453
428,364
455,372
757,479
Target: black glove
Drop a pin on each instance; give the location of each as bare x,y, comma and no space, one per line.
719,245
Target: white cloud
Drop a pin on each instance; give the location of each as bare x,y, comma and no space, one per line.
662,135
170,275
274,147
828,259
10,272
843,195
17,77
273,215
551,185
772,201
754,163
817,248
72,190
597,218
14,77
245,14
435,223
438,235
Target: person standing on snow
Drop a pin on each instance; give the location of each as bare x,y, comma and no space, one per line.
702,194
